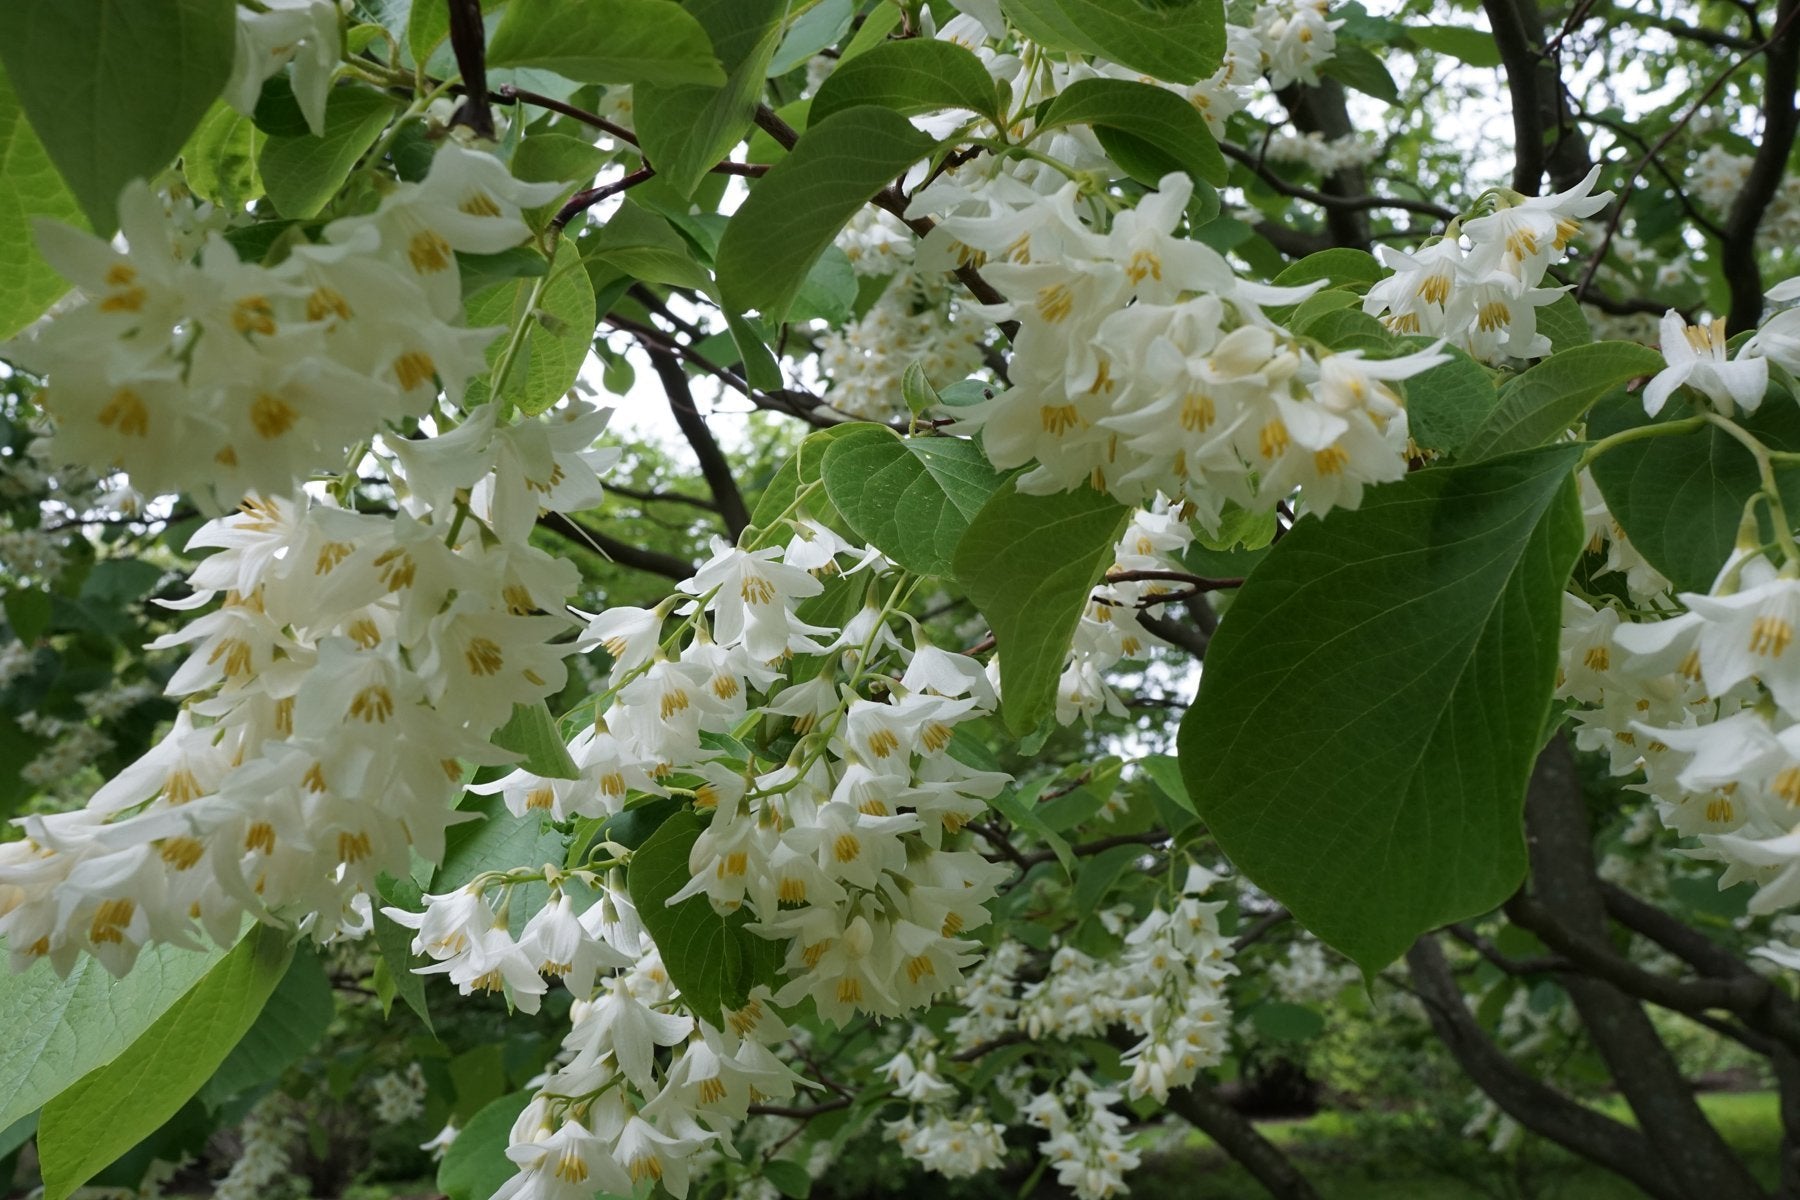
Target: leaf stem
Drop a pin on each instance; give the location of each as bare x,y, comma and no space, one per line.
1640,433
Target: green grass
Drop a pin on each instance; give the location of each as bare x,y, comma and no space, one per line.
1343,1163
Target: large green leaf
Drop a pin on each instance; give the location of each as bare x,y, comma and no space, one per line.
795,211
1163,131
301,172
647,247
113,1108
1448,403
911,76
531,731
394,940
1178,42
713,959
1553,395
291,1023
500,842
687,128
114,87
1374,699
57,1030
555,158
1029,563
1680,498
29,187
801,470
911,498
556,313
475,1166
606,41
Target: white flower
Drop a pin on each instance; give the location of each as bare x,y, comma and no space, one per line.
1697,357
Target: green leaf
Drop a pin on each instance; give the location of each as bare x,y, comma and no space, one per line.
57,1030
790,1178
814,30
301,172
114,87
29,187
799,471
1448,403
1279,1021
28,612
1354,66
558,315
1553,395
1375,697
113,1108
497,843
916,390
911,498
1159,124
1563,322
911,76
647,247
1473,46
219,161
828,293
1182,43
686,129
760,367
475,1166
605,41
1680,498
291,1023
394,940
713,959
1029,563
532,732
1098,874
1338,265
555,158
795,211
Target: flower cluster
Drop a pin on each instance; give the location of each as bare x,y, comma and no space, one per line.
1479,286
915,320
353,662
1086,1140
267,373
1144,364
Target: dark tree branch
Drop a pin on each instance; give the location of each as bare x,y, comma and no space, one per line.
1332,202
653,562
1691,1151
1532,1103
586,198
1781,118
508,94
1259,929
1512,966
1544,138
1174,632
714,467
470,44
793,402
1322,109
1203,1108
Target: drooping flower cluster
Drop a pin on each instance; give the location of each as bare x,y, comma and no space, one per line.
1704,704
1144,364
1086,1140
1479,286
1165,985
267,373
353,663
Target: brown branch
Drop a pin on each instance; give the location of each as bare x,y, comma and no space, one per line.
586,198
1512,966
1669,135
508,94
469,42
653,562
1527,1100
1202,1107
1691,1152
715,468
1259,929
1781,120
1328,201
